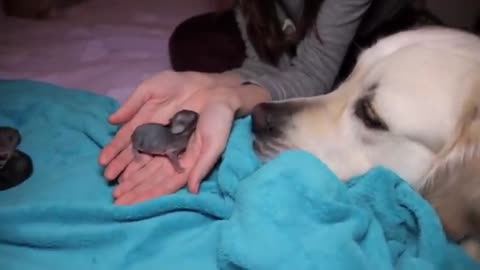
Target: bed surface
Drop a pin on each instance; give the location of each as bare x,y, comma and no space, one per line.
289,213
107,46
242,217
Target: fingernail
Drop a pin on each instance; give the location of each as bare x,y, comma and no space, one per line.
101,160
117,193
120,201
194,190
108,176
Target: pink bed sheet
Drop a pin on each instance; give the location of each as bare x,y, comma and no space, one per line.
106,46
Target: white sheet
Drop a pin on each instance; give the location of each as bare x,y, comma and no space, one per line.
107,46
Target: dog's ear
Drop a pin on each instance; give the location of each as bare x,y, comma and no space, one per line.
453,183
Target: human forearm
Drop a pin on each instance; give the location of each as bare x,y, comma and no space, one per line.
249,96
283,84
226,79
223,79
318,58
243,98
230,88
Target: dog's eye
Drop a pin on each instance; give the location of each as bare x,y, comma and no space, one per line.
365,112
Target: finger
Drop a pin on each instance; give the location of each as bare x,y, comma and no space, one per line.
165,187
131,106
138,163
117,165
122,138
151,189
210,148
147,174
204,164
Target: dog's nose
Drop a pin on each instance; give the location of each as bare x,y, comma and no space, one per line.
260,118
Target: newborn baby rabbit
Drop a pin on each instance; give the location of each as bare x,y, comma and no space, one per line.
167,140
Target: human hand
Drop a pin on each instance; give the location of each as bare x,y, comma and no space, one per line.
151,177
156,100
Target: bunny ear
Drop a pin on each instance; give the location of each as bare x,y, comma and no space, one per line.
178,127
182,121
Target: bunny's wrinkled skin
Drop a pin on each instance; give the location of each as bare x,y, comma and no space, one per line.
167,140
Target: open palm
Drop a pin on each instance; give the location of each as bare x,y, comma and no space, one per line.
143,177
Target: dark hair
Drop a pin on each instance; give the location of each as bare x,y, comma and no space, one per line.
265,32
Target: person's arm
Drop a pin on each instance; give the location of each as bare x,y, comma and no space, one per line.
317,62
252,65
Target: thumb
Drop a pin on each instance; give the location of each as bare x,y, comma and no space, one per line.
131,106
211,146
207,157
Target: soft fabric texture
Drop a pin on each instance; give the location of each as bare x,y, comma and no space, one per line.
290,213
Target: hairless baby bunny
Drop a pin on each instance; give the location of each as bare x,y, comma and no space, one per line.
15,165
167,140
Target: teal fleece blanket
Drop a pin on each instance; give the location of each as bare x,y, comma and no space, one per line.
290,213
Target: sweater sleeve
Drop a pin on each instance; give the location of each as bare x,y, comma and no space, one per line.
317,62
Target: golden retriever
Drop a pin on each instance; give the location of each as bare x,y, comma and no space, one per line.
411,104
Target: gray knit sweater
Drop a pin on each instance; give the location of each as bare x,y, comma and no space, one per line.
313,70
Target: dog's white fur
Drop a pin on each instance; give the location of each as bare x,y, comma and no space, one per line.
425,86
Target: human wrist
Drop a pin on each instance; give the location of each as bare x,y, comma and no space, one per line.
214,80
241,98
201,79
226,79
245,97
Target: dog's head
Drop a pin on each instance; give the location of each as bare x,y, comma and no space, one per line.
411,104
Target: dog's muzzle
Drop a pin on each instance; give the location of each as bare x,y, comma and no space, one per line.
269,121
261,119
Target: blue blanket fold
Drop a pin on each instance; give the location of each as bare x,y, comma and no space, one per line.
290,213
